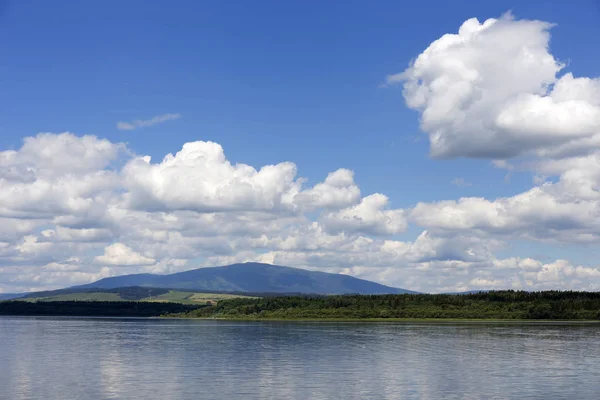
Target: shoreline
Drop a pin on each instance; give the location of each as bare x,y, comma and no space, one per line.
401,320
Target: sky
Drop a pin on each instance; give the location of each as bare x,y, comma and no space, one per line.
434,146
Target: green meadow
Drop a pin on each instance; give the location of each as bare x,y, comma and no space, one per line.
140,294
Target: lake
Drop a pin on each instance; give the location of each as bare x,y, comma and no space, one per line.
97,358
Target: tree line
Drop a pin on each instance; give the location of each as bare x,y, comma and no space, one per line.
565,305
95,308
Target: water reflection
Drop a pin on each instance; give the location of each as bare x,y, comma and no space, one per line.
62,358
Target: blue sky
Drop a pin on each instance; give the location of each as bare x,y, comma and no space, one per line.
270,82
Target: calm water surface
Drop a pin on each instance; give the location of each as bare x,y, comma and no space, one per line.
84,358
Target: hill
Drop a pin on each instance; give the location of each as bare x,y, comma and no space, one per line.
10,296
251,278
131,293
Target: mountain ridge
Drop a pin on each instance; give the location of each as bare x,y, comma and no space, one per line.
10,296
251,277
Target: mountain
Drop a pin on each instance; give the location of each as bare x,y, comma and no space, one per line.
253,278
10,296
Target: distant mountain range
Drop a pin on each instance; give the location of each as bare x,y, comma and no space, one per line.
251,278
10,296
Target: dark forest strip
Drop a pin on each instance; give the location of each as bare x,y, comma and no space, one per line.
94,308
559,305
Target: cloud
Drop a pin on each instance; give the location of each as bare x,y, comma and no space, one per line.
195,208
120,254
65,234
48,155
148,216
337,191
564,211
74,209
491,91
200,178
460,182
139,123
371,216
58,175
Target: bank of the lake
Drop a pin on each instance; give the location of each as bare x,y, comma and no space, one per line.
434,321
501,305
491,306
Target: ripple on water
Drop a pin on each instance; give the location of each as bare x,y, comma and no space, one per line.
84,358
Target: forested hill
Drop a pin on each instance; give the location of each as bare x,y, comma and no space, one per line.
489,305
251,278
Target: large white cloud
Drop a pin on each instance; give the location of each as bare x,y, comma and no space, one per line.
74,209
491,90
66,197
370,216
563,211
49,154
200,178
337,191
120,254
56,175
48,247
538,207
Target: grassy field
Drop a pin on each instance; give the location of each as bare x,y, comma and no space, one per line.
172,296
193,297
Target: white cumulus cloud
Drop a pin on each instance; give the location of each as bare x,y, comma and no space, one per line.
74,209
200,178
492,90
371,216
120,254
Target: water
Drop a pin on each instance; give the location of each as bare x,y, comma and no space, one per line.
84,358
